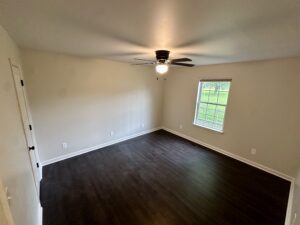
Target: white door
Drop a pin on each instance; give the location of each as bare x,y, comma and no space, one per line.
27,123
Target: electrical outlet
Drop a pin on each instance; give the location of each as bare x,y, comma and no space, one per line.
64,145
7,194
253,151
112,133
180,126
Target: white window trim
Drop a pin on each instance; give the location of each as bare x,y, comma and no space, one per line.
197,104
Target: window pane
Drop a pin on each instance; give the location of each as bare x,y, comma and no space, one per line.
223,92
204,95
210,112
213,97
220,111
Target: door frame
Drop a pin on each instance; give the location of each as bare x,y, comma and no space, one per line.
13,63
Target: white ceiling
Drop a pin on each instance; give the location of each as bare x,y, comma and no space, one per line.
208,31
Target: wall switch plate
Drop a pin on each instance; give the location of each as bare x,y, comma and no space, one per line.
64,145
253,151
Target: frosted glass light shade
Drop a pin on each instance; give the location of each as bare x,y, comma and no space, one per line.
161,68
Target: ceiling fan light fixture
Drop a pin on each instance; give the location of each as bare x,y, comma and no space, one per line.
162,61
161,68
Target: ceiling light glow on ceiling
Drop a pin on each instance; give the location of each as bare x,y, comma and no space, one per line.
161,68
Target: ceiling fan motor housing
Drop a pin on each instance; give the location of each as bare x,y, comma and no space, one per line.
162,55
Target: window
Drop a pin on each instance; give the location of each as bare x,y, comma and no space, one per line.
211,104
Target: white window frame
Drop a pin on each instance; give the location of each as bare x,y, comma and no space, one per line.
198,103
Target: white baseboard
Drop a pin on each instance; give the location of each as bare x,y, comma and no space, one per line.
234,156
93,148
251,163
217,149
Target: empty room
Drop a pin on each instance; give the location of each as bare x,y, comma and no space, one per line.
126,112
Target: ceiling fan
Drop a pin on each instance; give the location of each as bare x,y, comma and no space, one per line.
162,61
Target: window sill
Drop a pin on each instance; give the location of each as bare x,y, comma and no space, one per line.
210,129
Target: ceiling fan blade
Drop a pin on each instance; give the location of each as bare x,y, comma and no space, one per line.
181,60
146,60
138,64
210,56
182,64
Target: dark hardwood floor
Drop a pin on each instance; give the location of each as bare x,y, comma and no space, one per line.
160,179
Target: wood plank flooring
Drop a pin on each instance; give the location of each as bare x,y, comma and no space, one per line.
160,179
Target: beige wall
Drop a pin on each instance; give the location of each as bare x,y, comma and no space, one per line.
81,100
15,168
263,110
98,96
